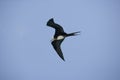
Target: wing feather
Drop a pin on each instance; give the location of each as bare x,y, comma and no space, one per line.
56,45
57,27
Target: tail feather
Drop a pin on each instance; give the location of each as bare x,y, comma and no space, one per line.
73,34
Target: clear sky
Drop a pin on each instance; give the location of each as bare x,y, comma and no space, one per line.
27,54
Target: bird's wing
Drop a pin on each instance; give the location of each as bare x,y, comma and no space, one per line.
56,45
57,27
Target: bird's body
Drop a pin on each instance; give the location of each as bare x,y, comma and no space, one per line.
59,36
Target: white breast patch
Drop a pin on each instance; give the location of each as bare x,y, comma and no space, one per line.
60,37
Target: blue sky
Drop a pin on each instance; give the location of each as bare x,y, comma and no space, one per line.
26,52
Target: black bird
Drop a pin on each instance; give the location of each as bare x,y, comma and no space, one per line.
59,36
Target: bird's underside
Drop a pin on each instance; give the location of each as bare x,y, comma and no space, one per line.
59,36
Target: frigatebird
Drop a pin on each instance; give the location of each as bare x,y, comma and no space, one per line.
59,36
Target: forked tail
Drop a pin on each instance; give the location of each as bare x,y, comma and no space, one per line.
73,34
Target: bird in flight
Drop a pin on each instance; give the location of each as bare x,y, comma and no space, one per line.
59,36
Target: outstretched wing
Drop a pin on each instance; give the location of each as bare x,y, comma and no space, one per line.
56,45
57,27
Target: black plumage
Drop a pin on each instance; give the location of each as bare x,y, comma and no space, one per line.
59,36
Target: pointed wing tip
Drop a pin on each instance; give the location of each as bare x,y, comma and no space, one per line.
51,19
63,59
50,22
56,46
